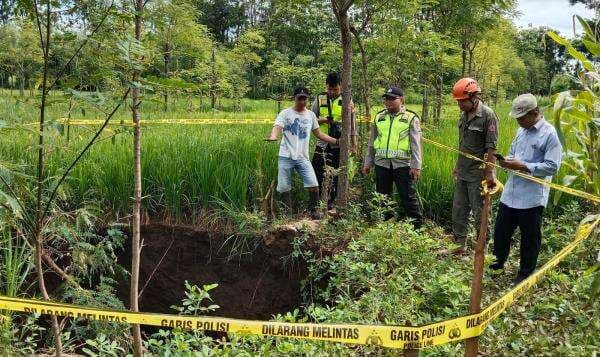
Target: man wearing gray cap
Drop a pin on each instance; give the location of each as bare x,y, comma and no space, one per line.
536,150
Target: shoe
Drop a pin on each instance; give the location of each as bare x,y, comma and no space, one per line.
519,279
462,240
317,215
315,212
496,266
462,243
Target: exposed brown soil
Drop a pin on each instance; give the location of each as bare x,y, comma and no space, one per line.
251,286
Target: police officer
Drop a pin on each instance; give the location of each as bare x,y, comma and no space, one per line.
395,150
478,136
328,109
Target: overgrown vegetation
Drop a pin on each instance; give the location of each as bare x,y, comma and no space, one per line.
390,274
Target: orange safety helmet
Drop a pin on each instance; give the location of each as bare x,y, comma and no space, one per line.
465,88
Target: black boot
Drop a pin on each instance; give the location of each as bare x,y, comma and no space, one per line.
285,200
462,241
315,213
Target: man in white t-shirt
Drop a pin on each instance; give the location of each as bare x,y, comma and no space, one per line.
297,123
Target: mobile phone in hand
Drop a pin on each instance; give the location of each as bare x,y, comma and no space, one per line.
499,157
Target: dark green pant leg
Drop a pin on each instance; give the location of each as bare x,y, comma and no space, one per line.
460,209
476,203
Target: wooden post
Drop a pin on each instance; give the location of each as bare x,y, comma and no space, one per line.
472,345
69,120
409,352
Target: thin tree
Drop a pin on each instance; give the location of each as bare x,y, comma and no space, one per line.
137,186
43,205
367,10
44,34
340,9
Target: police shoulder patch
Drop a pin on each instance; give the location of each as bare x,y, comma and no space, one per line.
413,113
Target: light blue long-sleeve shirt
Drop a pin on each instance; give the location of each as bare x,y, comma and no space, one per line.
540,149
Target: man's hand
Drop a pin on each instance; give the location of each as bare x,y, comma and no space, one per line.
514,165
415,174
365,170
270,138
322,120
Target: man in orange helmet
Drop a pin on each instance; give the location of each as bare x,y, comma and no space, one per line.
478,136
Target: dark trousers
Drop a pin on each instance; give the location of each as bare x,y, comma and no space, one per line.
529,222
326,157
385,178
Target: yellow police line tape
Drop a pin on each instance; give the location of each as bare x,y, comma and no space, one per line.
167,121
114,122
569,190
404,337
555,186
213,121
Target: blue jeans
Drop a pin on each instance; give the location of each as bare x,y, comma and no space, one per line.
304,169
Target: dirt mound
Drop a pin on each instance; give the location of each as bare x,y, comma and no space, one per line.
251,286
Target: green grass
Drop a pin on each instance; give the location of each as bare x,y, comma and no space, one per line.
14,108
187,167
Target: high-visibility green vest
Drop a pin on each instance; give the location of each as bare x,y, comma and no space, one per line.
393,140
326,105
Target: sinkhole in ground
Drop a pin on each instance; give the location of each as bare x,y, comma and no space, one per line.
254,285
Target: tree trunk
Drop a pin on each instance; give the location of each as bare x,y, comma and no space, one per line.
463,58
531,82
365,77
137,191
497,93
471,62
439,92
22,85
213,81
341,14
37,235
425,102
69,119
167,60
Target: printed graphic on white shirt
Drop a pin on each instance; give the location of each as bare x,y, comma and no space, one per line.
296,132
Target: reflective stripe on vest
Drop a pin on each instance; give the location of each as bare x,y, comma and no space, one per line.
393,140
336,110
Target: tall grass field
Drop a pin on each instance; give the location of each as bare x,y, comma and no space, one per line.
189,167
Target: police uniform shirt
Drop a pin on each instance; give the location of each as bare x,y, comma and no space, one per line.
476,135
416,154
316,108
